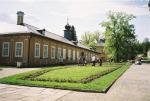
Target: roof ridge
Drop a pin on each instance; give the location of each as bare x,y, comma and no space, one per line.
30,25
45,30
53,34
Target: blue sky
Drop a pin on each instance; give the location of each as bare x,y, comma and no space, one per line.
85,15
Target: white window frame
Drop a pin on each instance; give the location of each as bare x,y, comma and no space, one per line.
4,49
45,50
74,55
16,49
69,54
64,53
53,52
35,50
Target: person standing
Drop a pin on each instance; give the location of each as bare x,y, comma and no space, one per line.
100,62
93,60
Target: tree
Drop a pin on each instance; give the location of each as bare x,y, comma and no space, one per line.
87,39
146,46
90,39
141,47
73,32
96,35
119,34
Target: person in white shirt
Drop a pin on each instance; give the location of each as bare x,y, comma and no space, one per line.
93,60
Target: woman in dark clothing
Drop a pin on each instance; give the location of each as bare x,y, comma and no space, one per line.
100,62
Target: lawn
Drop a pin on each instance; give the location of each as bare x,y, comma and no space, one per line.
74,74
51,77
1,68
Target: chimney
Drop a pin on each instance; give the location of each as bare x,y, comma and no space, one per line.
20,15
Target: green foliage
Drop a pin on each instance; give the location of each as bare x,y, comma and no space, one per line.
98,85
73,32
119,34
90,39
142,47
146,58
146,46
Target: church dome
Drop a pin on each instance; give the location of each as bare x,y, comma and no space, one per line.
67,27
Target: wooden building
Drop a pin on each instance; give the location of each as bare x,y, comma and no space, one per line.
32,46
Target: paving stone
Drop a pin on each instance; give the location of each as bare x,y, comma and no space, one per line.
12,96
7,90
31,98
133,85
49,91
6,99
11,71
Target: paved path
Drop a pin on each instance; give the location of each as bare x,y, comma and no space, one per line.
132,86
12,70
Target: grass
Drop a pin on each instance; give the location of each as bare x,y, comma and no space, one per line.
146,58
100,84
73,74
1,68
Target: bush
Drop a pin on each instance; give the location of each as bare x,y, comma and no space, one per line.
146,58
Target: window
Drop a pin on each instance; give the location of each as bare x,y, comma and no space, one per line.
45,51
53,52
74,55
5,49
59,53
19,49
69,54
37,50
64,53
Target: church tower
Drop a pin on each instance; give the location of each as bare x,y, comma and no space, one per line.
70,33
67,32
